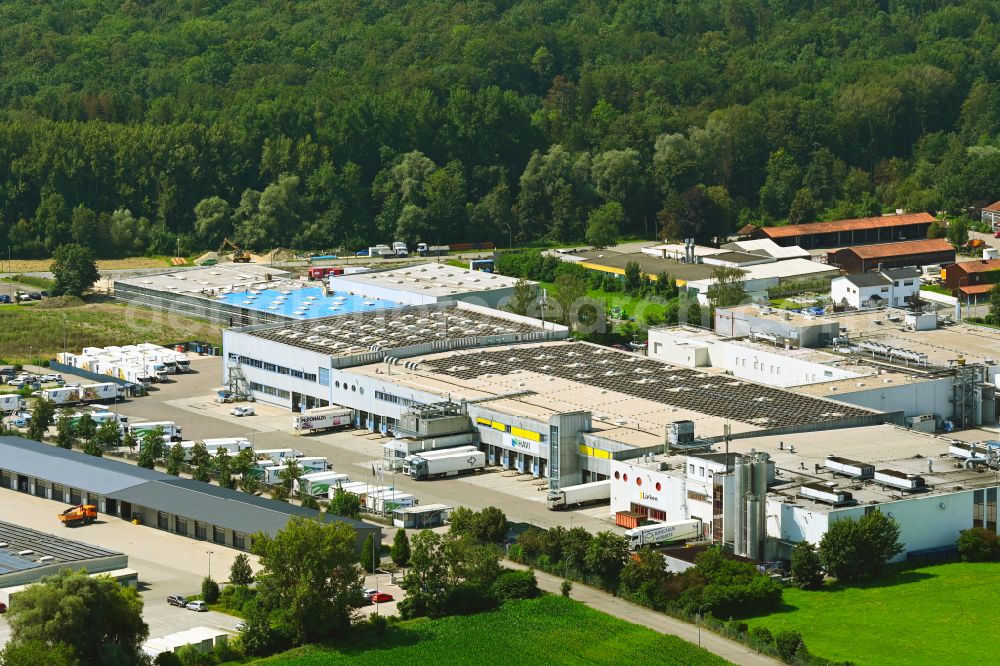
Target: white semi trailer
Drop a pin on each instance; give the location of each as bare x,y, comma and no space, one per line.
171,431
319,484
422,468
322,418
647,535
11,402
585,493
272,474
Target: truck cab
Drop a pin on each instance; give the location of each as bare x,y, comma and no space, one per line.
400,250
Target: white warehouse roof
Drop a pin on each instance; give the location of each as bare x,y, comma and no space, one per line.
430,279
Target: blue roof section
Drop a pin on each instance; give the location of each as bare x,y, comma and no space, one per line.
10,563
307,303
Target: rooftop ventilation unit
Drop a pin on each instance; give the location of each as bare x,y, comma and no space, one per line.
851,468
826,494
46,558
25,553
900,480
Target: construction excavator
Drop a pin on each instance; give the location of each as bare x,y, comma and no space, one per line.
240,256
81,514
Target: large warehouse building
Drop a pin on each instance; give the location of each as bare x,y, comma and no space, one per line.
182,506
893,255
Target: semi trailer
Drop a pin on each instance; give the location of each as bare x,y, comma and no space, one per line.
322,418
319,484
447,465
585,493
657,533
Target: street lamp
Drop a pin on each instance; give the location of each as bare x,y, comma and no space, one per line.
510,235
209,553
699,622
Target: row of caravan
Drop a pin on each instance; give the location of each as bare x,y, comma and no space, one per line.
140,364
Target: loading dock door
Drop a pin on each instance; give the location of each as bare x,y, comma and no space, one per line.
125,510
111,507
22,483
74,496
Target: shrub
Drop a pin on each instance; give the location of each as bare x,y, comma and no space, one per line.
209,590
240,597
807,570
565,588
511,585
761,637
978,545
189,655
469,600
787,643
516,553
737,627
167,659
226,650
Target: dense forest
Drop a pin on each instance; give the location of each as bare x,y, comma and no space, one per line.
157,126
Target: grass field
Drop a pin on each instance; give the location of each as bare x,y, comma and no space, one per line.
549,630
31,334
938,614
635,307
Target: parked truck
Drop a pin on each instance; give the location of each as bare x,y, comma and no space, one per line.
231,444
386,501
272,475
101,392
320,272
656,533
585,493
400,250
322,418
425,250
11,402
319,484
446,465
276,456
81,514
381,252
171,431
435,453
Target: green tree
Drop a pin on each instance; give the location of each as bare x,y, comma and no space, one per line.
344,504
41,418
994,314
240,572
400,551
35,652
209,590
604,225
291,473
491,526
513,585
644,578
958,232
96,618
569,292
978,545
788,643
74,269
175,459
65,434
212,220
852,550
807,569
223,468
633,278
780,185
606,556
524,298
130,441
803,209
727,288
369,558
309,576
108,435
86,428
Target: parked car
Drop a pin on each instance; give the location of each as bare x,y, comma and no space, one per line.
44,293
381,597
4,298
35,296
242,411
361,253
3,608
369,591
177,600
7,372
17,382
198,606
50,378
20,420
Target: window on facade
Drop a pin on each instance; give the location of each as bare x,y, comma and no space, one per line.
239,540
162,520
701,471
218,535
977,508
690,469
200,531
991,510
180,526
324,376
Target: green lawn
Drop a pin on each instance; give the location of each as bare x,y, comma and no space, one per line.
31,334
549,630
634,306
940,614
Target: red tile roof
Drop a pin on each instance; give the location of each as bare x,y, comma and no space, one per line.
901,248
974,289
847,225
993,207
981,266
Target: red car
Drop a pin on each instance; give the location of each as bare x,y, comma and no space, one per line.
996,235
380,597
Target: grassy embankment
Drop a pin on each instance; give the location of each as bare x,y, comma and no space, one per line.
927,615
549,630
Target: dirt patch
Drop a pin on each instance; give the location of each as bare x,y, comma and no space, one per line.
41,265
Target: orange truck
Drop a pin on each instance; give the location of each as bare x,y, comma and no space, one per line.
81,514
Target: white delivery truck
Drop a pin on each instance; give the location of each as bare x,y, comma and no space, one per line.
359,488
101,392
231,444
319,484
11,402
388,500
171,431
400,250
584,493
322,418
436,453
447,465
67,395
394,452
647,535
277,455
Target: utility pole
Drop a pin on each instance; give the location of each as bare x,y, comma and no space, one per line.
209,552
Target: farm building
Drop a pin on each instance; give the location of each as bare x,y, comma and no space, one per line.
972,280
893,255
843,233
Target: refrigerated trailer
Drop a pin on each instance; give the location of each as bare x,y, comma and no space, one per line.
272,475
233,445
276,456
171,430
319,484
422,468
585,493
322,418
647,535
11,402
68,395
387,501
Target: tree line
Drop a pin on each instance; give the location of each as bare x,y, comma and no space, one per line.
161,127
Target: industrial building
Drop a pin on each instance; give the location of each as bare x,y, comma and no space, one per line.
927,252
971,281
424,284
27,556
240,295
182,506
767,247
759,278
293,365
769,493
991,215
843,233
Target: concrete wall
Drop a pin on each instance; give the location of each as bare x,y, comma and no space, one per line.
925,397
773,368
805,333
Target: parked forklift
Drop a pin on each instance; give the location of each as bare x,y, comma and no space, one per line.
81,514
